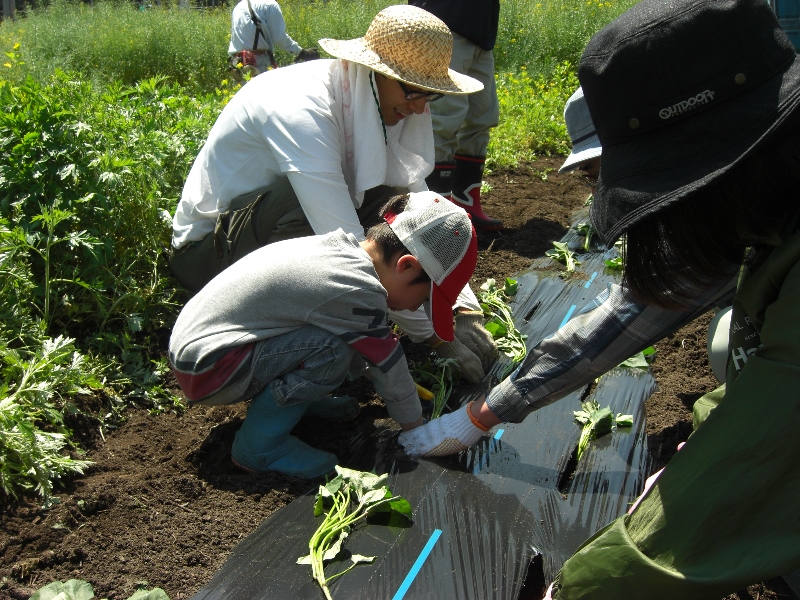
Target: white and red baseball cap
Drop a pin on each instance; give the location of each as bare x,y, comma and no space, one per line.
441,237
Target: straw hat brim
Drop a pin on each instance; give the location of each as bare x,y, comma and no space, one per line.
356,51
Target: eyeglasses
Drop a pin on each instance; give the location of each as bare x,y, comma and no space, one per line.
417,95
588,181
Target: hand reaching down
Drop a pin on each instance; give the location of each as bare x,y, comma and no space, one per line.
449,434
474,348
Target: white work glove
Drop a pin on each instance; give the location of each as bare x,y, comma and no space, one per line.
449,434
473,348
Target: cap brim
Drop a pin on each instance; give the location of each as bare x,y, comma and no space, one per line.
356,51
445,295
581,153
440,311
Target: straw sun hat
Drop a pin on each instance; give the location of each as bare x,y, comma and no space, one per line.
410,44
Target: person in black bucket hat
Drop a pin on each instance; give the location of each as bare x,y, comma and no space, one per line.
696,108
695,104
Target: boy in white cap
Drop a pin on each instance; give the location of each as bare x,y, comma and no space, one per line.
314,147
308,312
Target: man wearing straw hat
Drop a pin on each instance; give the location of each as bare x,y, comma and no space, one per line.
318,146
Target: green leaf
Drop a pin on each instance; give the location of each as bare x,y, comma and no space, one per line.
154,594
510,288
637,361
74,589
496,327
336,548
624,420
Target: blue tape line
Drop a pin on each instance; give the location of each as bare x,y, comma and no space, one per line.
498,434
417,565
568,315
591,279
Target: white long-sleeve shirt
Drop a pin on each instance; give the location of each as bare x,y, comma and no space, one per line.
283,123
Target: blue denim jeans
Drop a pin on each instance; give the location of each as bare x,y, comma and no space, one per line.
306,364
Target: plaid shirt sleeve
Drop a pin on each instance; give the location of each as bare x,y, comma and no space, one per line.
610,329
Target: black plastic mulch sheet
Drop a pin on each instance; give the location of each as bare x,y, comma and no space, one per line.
480,517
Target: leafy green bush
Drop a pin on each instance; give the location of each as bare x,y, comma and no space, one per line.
89,181
34,383
532,121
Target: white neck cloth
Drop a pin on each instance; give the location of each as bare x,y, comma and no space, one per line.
404,157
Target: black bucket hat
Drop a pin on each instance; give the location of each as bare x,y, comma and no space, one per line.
681,91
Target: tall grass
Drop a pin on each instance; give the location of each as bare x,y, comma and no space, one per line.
543,34
114,41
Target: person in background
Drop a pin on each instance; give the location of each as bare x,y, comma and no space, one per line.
461,125
697,107
586,149
326,317
257,26
320,146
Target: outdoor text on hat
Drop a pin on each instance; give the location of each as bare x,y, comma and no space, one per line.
680,92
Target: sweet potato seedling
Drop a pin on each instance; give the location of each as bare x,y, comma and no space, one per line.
640,360
439,376
494,303
597,422
370,495
585,229
614,264
561,252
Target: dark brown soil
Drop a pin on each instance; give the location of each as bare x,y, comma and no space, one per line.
163,506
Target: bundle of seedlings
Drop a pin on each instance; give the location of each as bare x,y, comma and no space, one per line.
346,501
494,303
438,377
